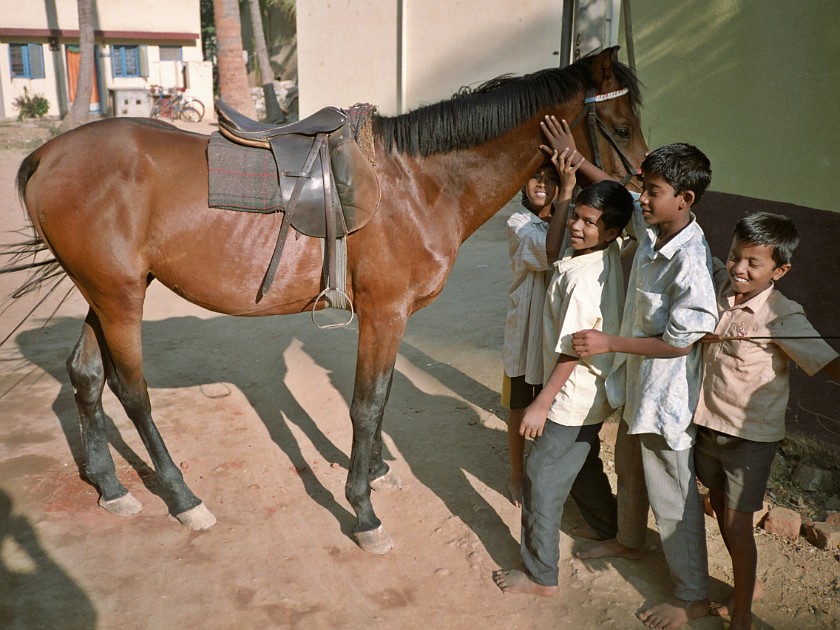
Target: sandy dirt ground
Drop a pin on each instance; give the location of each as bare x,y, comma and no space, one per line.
256,413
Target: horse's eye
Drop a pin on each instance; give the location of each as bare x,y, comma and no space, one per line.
623,132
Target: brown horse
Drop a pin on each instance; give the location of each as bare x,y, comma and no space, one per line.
123,202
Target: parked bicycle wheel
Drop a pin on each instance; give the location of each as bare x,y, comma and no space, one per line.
193,102
190,114
156,109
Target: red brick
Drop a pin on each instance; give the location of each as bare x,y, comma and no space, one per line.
758,517
783,522
823,535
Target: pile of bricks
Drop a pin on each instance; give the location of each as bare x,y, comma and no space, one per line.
788,523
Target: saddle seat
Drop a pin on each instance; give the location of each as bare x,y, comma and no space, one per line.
239,128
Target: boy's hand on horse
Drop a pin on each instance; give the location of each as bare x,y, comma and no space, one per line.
567,164
558,134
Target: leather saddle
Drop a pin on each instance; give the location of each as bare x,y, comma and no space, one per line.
327,188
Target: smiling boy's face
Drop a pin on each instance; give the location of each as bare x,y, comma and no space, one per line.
752,269
541,190
587,232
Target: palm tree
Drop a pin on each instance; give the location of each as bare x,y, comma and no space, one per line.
272,107
79,110
233,80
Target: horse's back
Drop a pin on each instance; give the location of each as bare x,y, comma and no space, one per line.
131,196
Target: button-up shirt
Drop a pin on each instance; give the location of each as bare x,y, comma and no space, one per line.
671,296
522,351
586,291
746,382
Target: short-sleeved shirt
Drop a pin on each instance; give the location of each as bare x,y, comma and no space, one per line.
746,383
522,351
586,291
671,296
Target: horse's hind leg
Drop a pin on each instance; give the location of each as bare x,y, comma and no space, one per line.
87,375
120,344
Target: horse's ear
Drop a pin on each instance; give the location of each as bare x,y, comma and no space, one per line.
602,68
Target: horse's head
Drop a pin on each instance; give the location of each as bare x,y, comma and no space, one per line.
608,127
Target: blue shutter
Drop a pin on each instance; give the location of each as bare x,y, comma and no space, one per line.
36,61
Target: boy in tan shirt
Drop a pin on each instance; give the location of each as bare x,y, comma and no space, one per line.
741,412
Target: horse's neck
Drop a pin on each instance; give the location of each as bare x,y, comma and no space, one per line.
483,179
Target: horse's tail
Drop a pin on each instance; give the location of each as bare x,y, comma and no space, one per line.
24,255
27,168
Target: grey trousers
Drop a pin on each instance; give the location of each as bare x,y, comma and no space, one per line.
593,495
652,475
553,464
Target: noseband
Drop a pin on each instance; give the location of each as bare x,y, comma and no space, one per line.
595,123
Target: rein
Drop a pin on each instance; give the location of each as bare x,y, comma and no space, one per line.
595,124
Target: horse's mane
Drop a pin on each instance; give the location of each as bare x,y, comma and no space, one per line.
475,116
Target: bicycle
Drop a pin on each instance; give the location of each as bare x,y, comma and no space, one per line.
172,103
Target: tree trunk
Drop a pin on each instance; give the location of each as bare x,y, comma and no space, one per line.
79,110
273,113
233,80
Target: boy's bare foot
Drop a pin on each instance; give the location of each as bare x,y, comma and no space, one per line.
724,609
608,549
674,614
515,492
584,531
517,582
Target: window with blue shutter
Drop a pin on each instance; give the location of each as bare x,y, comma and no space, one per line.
26,61
129,61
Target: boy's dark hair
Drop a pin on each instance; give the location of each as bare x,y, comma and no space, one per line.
683,166
612,199
774,230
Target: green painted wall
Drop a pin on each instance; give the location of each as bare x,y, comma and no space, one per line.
755,84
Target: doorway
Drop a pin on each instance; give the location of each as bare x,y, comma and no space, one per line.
74,56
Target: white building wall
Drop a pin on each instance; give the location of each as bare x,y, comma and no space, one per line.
401,54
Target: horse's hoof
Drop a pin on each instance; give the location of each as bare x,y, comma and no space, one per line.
126,505
389,481
198,517
374,541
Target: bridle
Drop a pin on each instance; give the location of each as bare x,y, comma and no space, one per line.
595,123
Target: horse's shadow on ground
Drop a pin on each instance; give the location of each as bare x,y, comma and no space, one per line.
249,354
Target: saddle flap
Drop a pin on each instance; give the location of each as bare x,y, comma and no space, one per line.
356,193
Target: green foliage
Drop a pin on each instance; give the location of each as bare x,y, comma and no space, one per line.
35,106
287,7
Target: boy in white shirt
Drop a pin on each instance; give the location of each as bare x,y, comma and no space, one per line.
586,290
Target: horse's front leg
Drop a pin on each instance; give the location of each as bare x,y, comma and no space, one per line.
379,341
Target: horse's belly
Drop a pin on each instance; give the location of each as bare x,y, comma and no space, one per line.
220,262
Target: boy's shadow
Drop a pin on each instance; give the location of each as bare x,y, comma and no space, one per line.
34,591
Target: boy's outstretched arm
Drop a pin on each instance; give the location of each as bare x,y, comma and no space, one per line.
589,342
560,137
536,413
557,227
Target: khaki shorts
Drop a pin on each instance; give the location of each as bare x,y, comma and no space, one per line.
740,468
516,393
